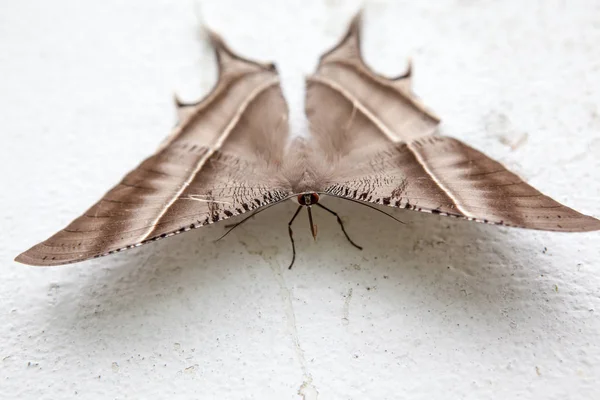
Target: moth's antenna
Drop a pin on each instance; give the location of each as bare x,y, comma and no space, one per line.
370,206
246,219
236,225
292,236
339,220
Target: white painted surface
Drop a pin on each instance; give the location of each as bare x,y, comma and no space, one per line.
436,309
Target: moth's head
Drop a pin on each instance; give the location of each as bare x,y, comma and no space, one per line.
308,199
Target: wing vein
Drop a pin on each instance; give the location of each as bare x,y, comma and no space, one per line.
435,179
356,104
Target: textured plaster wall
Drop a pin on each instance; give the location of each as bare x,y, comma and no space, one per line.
434,309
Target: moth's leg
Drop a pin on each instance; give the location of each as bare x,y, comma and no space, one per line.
292,236
339,220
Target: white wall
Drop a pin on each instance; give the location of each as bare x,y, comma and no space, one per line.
435,309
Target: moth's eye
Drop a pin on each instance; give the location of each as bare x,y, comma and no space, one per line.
314,198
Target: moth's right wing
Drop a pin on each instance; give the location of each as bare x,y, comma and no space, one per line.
382,142
221,160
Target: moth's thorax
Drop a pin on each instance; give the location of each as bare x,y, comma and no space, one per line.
307,199
305,168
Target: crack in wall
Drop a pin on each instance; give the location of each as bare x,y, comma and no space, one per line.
307,390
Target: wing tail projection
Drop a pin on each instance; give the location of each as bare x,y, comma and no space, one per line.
343,81
379,137
221,160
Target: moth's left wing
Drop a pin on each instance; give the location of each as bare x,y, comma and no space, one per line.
381,141
221,160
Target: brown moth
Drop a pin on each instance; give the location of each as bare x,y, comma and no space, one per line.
372,141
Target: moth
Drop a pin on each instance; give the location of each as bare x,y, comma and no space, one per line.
372,142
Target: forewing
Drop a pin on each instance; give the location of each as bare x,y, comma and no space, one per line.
221,160
382,143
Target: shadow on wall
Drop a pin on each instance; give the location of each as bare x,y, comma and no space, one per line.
442,262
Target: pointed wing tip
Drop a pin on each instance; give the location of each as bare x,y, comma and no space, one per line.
34,258
21,258
216,41
357,19
214,38
24,258
409,68
592,225
351,38
354,27
225,54
581,223
177,100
